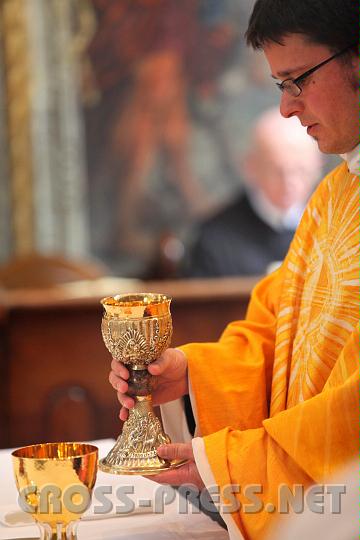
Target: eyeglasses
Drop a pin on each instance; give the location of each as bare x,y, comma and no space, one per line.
293,86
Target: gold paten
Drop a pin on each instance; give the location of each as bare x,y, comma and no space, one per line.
45,474
136,329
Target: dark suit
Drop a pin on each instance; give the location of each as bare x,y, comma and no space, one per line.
236,241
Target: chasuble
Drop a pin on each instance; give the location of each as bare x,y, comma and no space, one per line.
277,396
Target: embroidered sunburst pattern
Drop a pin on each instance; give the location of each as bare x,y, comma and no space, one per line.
319,305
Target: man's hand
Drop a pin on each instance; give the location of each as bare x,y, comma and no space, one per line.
186,474
171,380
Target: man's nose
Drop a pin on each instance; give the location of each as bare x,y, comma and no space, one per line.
290,105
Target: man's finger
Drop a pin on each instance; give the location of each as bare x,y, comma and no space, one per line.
176,451
160,364
118,383
124,414
170,356
113,380
119,369
125,400
174,477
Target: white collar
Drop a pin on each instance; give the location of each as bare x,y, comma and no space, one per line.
352,159
277,219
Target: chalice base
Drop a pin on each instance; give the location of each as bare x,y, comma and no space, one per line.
60,531
118,469
135,449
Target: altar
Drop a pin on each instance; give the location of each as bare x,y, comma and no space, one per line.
149,512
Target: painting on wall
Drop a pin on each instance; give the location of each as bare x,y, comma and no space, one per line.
128,126
169,92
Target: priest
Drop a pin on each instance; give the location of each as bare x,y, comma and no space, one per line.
276,399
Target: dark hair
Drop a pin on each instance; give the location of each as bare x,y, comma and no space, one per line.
334,23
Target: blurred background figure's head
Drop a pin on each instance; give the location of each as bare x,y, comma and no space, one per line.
252,233
283,163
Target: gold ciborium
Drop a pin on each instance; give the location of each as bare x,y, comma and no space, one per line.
55,482
136,329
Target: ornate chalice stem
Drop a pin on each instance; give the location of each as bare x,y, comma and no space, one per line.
136,330
142,434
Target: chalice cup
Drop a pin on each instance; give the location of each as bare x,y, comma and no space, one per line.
136,329
55,482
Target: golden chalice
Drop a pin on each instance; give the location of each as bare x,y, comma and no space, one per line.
136,329
55,482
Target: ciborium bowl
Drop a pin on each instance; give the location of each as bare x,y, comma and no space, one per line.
55,482
136,329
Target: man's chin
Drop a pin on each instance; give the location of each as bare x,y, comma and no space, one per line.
315,137
331,146
325,147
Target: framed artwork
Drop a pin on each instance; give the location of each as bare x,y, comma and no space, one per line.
128,126
169,91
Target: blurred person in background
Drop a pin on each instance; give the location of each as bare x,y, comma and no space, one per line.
279,172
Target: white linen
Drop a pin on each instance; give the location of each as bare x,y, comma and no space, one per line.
174,421
171,524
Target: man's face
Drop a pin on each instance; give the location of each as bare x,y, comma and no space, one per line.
329,103
283,169
286,176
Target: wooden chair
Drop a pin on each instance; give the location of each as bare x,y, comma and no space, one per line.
35,271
